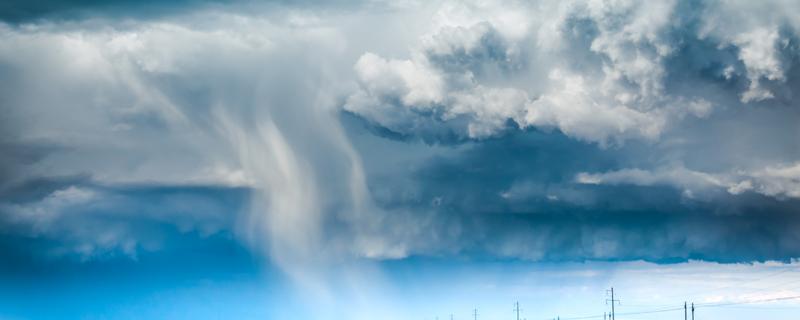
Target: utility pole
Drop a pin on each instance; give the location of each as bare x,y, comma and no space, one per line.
684,311
475,314
613,301
692,310
517,309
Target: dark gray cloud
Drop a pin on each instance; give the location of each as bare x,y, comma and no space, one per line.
685,108
24,11
76,218
517,197
76,10
564,130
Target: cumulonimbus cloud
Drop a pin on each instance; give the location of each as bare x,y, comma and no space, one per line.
596,71
517,99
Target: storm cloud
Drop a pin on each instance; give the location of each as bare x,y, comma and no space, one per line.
555,131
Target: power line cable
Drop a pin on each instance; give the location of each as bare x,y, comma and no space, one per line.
708,305
678,308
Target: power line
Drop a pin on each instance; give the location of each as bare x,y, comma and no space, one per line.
694,306
694,294
685,307
707,305
613,301
583,317
623,314
650,311
760,307
775,286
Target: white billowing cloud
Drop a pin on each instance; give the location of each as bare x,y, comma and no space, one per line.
491,108
422,89
395,101
595,70
415,84
573,107
632,38
755,31
778,181
759,54
781,181
467,56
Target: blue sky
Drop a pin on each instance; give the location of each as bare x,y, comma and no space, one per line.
338,160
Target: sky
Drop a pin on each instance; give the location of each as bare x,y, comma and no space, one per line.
218,159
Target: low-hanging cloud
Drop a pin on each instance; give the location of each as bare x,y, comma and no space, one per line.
551,131
778,181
